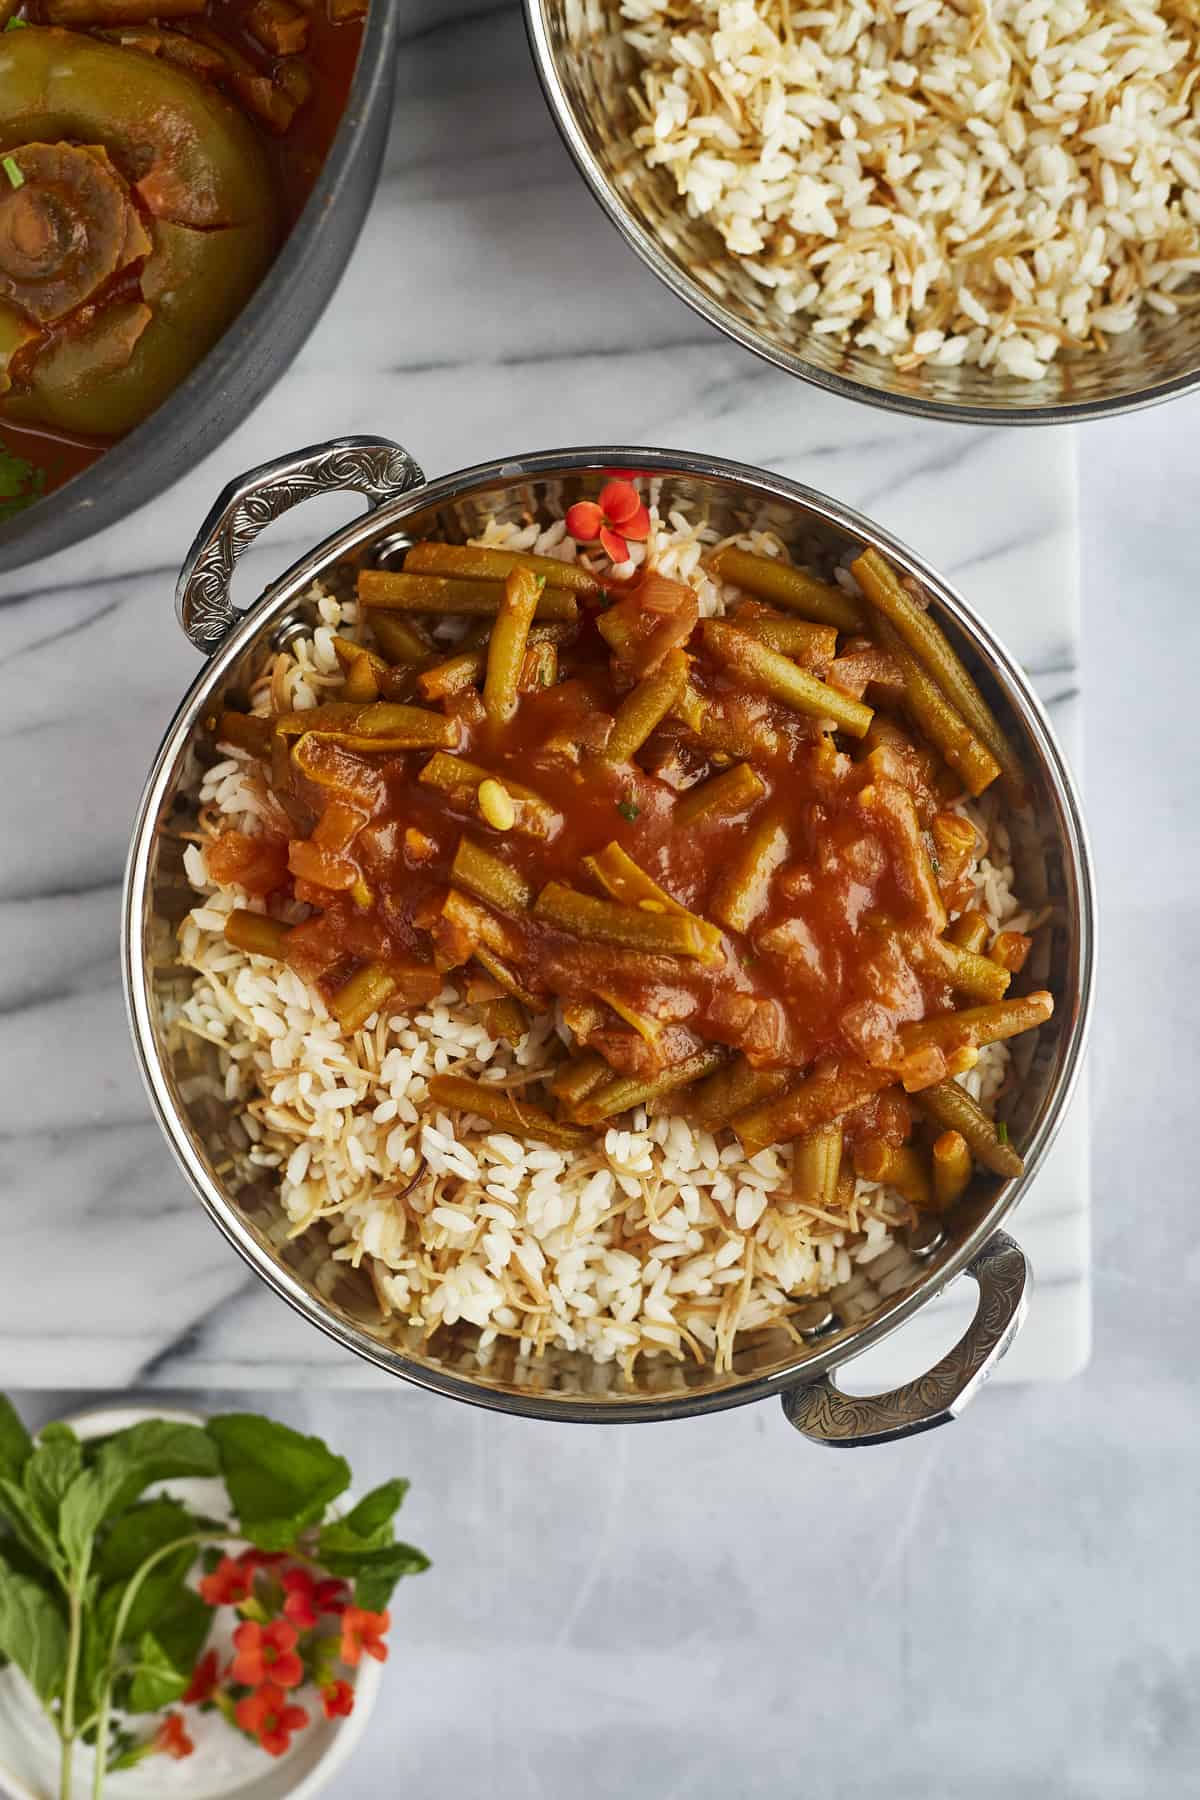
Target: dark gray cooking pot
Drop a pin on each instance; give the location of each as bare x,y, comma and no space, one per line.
260,344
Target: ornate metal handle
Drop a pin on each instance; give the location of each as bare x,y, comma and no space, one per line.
374,467
828,1416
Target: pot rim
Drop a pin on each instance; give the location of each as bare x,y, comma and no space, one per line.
64,517
645,245
376,524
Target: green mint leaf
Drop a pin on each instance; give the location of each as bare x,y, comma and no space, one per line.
182,1628
376,1509
279,1481
138,1533
33,1633
125,1464
374,1572
27,1525
16,25
157,1683
50,1471
16,1445
628,810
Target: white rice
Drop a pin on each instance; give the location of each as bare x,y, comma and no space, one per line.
661,1241
940,181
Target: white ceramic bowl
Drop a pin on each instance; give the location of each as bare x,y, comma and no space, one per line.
29,1747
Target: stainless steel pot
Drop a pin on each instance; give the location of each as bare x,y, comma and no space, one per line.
1053,870
262,341
589,75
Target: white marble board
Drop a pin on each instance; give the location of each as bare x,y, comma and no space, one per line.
490,310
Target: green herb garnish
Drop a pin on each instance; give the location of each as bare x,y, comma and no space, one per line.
20,484
97,1610
16,25
628,810
1002,1131
12,169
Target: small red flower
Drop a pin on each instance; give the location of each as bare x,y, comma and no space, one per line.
338,1699
204,1680
268,1716
363,1631
229,1584
618,515
266,1653
171,1739
307,1598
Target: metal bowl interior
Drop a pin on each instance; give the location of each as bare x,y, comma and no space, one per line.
589,73
206,1132
245,363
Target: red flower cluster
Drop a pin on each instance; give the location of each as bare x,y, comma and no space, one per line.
617,516
274,1654
270,1717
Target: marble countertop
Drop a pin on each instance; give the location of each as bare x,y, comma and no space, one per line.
1004,1608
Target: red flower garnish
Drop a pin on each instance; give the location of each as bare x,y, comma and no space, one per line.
266,1653
229,1584
204,1680
618,515
363,1631
338,1699
268,1716
307,1597
171,1739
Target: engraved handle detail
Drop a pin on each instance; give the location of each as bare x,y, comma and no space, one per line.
825,1414
373,467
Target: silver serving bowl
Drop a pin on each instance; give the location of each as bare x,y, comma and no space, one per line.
205,1131
588,73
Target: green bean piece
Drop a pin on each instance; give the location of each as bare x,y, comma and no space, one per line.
631,1090
504,977
770,673
743,890
818,1100
645,707
380,589
452,676
627,927
929,643
505,1019
501,1108
455,775
977,1025
476,563
946,730
970,931
246,731
785,585
382,725
506,646
722,796
401,640
951,1107
977,976
897,1166
331,715
489,878
816,1166
614,869
368,989
808,643
579,1077
539,667
734,1087
256,934
951,1161
466,666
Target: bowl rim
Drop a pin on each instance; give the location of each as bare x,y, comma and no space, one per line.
686,288
376,524
47,527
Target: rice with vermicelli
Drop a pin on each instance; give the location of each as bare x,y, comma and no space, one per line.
660,1239
941,181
